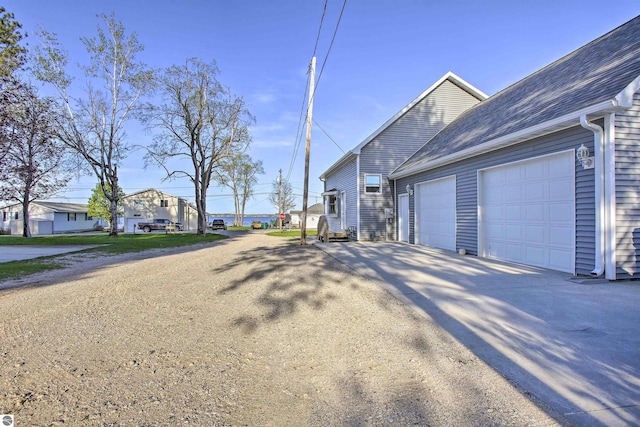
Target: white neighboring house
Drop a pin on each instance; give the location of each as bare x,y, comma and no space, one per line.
313,215
150,204
50,218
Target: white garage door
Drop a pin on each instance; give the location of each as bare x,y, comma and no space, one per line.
132,225
436,213
527,212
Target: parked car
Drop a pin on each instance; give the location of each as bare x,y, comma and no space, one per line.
218,224
159,224
256,224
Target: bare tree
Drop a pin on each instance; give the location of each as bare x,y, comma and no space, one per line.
93,126
200,122
240,174
282,196
32,167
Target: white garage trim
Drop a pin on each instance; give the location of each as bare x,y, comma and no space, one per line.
403,217
435,213
526,211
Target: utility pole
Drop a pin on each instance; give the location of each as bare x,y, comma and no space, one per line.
280,197
305,194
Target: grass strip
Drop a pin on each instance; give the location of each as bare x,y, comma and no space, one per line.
124,243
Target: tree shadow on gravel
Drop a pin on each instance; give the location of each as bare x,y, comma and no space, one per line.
293,276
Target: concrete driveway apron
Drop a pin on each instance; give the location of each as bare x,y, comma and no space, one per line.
573,344
22,252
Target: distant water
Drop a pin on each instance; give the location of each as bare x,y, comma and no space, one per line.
247,219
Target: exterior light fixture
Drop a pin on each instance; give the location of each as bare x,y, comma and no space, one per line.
409,189
582,154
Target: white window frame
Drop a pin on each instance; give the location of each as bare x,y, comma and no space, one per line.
335,204
366,186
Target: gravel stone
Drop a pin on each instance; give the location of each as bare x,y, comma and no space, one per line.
252,330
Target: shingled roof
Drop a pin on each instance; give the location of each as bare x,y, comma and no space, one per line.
598,77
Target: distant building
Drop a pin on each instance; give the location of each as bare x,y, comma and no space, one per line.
313,215
50,218
150,204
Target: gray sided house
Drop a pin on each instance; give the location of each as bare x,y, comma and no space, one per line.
511,178
358,196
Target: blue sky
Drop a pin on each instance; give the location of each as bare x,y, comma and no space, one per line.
385,54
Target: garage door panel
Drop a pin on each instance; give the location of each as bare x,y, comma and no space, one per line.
535,255
514,212
534,212
514,232
560,212
436,213
559,188
560,235
495,231
531,217
513,174
559,258
535,234
534,191
534,171
513,193
558,168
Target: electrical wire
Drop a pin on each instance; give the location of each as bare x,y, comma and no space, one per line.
329,136
299,132
344,4
312,95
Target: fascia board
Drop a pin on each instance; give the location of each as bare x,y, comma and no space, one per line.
625,98
549,126
344,159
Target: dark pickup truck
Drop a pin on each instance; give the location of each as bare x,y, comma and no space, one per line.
159,224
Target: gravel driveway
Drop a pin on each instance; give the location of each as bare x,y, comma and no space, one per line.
252,330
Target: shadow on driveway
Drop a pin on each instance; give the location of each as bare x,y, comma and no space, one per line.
575,345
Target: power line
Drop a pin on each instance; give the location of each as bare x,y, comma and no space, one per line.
324,10
299,134
330,46
329,136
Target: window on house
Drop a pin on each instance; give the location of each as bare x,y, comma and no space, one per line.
4,216
164,203
332,205
71,216
372,183
88,217
17,215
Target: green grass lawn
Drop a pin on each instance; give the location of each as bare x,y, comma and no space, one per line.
124,243
291,233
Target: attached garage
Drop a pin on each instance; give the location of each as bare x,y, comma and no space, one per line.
435,206
132,224
527,212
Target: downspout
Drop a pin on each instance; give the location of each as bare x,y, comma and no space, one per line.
610,195
358,197
599,193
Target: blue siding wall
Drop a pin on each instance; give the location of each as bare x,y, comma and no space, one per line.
466,172
399,141
344,179
627,155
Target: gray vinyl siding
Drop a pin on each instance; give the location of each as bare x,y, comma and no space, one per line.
466,172
344,179
397,142
627,154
